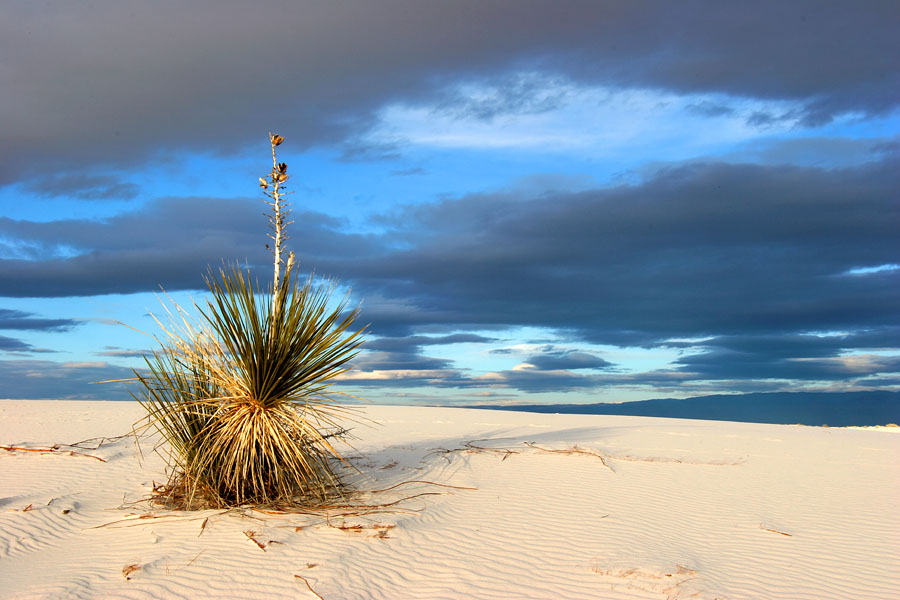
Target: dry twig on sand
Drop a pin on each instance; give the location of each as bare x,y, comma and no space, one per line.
54,449
774,531
573,450
379,530
99,441
251,536
455,487
471,448
306,581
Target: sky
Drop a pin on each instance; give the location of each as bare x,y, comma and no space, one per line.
531,201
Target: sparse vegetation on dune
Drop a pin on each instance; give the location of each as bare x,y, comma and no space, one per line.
240,393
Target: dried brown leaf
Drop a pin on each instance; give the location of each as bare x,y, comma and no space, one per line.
127,570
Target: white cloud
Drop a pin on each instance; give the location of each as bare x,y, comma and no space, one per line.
394,374
872,270
577,119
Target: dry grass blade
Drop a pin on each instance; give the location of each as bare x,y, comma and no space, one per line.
195,558
143,518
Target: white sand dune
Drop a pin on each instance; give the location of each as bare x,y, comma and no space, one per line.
647,508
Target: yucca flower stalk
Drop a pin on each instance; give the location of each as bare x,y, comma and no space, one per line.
240,393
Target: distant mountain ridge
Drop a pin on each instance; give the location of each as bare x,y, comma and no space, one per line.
835,409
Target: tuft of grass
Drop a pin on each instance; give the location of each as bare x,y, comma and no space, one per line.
240,394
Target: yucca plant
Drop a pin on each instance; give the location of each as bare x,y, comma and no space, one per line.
240,393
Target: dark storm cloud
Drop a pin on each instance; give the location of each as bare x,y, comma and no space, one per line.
362,151
764,119
710,109
402,360
8,344
755,257
534,381
21,320
669,381
545,371
416,342
38,379
566,361
25,321
84,187
405,354
699,250
517,94
736,365
813,151
728,364
116,352
374,369
891,147
97,84
391,361
807,346
797,357
879,383
169,243
862,375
